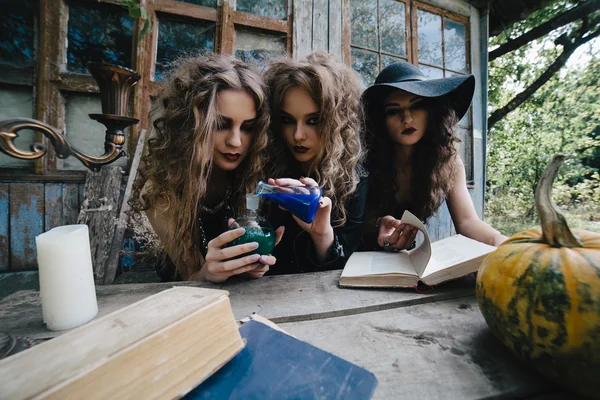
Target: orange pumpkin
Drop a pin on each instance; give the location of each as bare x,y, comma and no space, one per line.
539,293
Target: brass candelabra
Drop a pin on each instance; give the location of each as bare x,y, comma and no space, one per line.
115,85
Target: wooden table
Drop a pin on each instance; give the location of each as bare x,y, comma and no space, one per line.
421,346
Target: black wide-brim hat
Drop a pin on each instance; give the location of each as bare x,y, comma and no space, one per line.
405,76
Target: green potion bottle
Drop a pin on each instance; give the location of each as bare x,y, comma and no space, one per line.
257,228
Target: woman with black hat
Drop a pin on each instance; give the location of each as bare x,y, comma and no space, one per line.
413,162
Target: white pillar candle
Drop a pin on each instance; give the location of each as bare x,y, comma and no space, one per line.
66,277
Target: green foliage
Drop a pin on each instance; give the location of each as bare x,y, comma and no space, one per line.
562,116
136,11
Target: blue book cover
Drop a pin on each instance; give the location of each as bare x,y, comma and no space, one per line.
274,365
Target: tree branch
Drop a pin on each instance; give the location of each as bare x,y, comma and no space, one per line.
543,78
545,28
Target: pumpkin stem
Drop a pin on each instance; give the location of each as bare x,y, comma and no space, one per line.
554,225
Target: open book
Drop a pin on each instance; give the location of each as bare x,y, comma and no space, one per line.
429,263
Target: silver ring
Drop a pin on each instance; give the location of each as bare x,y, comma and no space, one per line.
388,247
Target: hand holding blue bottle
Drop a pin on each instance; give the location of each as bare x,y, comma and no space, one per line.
320,227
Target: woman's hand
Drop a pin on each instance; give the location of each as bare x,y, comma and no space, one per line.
319,229
266,261
395,235
218,266
321,224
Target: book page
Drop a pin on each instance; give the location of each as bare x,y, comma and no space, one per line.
455,250
419,256
363,263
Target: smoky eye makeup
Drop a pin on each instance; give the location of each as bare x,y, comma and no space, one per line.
418,104
249,126
222,123
286,118
391,111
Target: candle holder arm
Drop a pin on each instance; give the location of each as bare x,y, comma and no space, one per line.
113,145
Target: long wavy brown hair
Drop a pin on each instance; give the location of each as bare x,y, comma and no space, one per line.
336,89
179,157
433,161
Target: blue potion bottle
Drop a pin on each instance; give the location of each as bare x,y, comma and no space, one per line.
302,201
257,228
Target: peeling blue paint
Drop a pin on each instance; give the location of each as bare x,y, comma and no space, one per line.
4,249
26,224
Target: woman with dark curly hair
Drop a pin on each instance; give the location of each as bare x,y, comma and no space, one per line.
317,139
413,162
205,155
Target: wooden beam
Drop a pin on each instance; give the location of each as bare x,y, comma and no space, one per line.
335,28
260,22
442,12
346,26
51,53
302,28
20,174
151,52
141,57
320,25
112,262
290,32
99,212
16,76
225,29
70,82
185,9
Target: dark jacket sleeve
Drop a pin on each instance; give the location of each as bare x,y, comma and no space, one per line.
347,237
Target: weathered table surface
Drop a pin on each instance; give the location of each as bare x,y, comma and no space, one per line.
425,346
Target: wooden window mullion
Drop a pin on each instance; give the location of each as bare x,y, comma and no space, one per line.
414,37
143,60
290,26
379,61
50,61
346,21
443,46
225,27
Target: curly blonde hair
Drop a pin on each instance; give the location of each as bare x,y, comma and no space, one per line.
336,89
179,157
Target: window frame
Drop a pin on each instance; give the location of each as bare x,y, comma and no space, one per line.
50,80
412,53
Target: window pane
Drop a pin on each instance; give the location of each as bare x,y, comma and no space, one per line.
387,60
257,47
430,38
465,150
466,120
393,27
177,38
455,46
366,64
266,8
364,23
16,34
98,34
17,102
205,3
431,72
83,132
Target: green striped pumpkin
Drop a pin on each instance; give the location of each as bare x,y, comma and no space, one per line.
539,293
